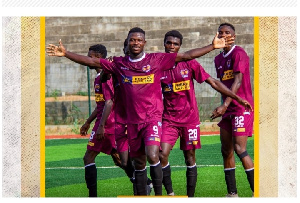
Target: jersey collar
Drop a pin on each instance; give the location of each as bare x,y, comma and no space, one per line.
137,60
229,52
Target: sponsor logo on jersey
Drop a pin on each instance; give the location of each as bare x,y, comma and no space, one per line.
195,142
124,68
159,123
227,75
220,67
181,86
191,142
143,79
99,98
246,113
168,88
97,87
91,143
127,79
228,63
146,68
156,139
239,130
184,73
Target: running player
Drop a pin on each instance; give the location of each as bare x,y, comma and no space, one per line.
232,66
139,77
102,137
181,116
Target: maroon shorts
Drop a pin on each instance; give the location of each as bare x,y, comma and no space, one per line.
121,137
239,125
106,145
141,135
189,135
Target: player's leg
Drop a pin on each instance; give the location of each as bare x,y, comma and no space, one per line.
240,144
152,153
137,154
244,128
227,150
191,172
90,172
166,169
151,133
140,174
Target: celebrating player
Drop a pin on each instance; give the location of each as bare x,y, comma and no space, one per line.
232,66
181,116
139,77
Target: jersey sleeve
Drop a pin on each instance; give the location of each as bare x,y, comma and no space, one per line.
240,62
199,74
108,89
107,66
167,60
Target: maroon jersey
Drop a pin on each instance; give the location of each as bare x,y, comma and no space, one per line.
235,61
180,105
140,84
103,92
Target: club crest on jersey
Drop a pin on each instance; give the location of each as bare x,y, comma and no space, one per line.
228,63
184,73
146,68
99,98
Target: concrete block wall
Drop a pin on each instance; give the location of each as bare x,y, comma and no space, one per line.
79,33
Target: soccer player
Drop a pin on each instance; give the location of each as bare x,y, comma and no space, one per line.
139,77
121,134
102,137
180,115
232,66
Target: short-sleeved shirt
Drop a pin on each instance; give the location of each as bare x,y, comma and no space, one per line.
120,114
235,61
103,92
140,84
180,104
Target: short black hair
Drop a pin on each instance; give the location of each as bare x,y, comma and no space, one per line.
227,24
174,33
136,29
99,48
125,43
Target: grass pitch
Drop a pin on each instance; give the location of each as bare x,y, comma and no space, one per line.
65,171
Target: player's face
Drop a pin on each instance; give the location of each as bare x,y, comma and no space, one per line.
226,31
172,44
93,54
136,43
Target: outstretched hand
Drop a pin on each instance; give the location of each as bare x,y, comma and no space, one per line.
54,50
222,42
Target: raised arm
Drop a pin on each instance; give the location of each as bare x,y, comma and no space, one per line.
60,50
217,43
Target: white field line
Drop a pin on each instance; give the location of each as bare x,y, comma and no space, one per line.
111,167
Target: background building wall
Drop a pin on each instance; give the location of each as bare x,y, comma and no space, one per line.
79,33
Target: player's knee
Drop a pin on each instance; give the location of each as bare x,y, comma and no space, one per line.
239,149
242,155
190,161
152,158
226,152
